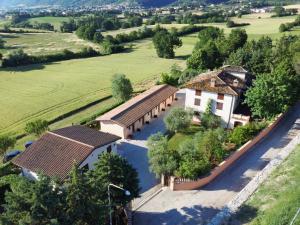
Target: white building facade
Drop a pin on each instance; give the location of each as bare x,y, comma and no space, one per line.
224,89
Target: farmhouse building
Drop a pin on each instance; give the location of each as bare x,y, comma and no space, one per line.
55,153
225,88
135,113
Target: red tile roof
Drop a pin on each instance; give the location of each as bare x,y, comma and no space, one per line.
132,110
224,82
55,152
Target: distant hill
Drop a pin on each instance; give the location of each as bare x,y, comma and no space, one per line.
146,3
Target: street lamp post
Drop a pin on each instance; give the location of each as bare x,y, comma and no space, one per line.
127,193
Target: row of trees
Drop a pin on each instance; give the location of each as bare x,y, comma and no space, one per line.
35,25
20,58
289,26
81,199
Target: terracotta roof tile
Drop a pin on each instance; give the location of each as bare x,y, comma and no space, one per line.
129,112
224,82
54,155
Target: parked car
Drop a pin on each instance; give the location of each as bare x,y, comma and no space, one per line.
10,155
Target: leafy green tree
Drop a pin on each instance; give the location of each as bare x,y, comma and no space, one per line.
112,168
164,43
80,205
210,145
241,134
162,160
273,93
208,119
37,127
192,163
205,58
121,87
6,142
209,34
236,39
98,37
178,119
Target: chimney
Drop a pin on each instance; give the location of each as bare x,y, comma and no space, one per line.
213,82
236,83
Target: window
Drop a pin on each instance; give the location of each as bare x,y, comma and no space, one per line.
221,96
198,93
108,149
219,105
197,102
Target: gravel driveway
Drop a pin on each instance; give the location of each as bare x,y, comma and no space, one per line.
199,206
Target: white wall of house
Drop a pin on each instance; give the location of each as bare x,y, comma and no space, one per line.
112,128
93,157
229,104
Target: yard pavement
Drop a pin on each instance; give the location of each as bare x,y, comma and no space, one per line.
135,150
199,206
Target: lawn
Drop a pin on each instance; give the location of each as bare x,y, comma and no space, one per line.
180,137
49,90
277,200
43,43
55,21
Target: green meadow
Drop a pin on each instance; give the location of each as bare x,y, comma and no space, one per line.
55,21
49,90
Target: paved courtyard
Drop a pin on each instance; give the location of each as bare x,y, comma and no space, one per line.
135,150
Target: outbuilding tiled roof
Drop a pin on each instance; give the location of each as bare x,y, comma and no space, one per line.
224,82
134,109
55,152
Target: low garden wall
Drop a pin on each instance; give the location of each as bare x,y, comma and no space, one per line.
178,184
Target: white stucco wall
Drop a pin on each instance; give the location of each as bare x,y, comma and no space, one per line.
112,128
229,103
93,157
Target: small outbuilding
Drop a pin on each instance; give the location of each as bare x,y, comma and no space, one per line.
135,113
55,153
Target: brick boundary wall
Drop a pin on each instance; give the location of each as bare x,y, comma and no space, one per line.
224,215
179,184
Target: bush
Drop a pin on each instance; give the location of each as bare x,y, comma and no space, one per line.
241,134
8,168
178,119
37,127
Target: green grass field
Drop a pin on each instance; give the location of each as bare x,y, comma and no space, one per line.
43,43
47,91
277,200
55,21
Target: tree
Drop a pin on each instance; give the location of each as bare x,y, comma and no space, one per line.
208,119
98,37
237,39
81,208
282,28
6,142
192,163
164,43
209,34
162,160
178,119
121,88
37,127
208,57
210,145
113,169
272,93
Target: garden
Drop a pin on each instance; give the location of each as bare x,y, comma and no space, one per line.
190,151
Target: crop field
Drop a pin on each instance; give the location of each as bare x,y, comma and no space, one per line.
47,91
263,26
42,43
55,21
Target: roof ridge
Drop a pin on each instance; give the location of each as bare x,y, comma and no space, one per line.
142,99
70,139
